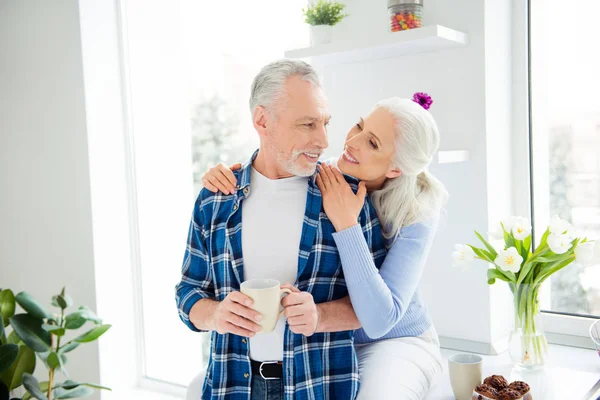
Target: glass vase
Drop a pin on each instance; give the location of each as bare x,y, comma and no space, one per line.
528,346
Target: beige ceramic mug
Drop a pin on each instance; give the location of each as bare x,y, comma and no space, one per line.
465,374
267,295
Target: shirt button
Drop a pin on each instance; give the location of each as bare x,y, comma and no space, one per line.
244,341
246,375
246,190
237,187
235,207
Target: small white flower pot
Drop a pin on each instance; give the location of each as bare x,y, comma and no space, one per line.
320,34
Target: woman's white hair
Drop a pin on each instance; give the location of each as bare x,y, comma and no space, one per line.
268,86
416,195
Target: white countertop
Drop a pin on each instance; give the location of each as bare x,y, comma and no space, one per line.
569,375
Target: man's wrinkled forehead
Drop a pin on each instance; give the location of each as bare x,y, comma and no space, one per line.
311,103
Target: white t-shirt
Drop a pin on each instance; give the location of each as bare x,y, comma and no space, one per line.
272,219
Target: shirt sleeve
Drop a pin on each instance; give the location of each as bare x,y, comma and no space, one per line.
196,278
390,289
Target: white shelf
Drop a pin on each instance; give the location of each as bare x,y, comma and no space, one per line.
452,156
426,39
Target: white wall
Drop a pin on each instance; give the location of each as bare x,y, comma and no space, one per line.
45,211
472,114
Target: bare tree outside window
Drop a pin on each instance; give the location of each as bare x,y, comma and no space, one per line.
565,100
215,137
568,294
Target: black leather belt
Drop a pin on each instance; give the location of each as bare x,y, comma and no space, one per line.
268,369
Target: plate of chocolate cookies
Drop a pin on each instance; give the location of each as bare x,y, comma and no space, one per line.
496,387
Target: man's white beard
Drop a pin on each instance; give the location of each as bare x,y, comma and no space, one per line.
290,164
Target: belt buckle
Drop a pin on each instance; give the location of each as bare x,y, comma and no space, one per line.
260,369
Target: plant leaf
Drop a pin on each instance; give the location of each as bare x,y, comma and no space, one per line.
67,299
70,384
484,255
14,338
8,355
525,270
493,274
527,244
76,319
488,246
510,275
79,391
33,386
68,347
63,362
30,331
55,329
543,241
509,239
7,305
552,257
551,268
43,388
74,322
53,360
59,301
25,363
29,304
93,334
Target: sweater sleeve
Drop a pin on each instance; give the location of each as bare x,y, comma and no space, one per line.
381,297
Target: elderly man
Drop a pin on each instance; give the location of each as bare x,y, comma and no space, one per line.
273,227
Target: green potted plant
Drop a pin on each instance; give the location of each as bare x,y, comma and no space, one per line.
322,16
48,335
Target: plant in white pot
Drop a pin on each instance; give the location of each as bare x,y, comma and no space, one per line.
322,16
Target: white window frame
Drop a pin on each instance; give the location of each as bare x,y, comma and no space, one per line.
114,213
560,328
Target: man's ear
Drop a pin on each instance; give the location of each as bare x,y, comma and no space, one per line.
260,120
393,173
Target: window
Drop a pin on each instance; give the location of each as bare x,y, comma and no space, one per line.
221,123
565,120
212,51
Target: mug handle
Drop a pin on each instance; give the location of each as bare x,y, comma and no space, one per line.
286,292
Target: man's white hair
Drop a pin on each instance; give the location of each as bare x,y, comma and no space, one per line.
268,86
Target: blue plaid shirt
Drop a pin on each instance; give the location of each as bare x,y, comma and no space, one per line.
322,366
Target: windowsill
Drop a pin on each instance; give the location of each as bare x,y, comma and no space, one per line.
571,372
142,394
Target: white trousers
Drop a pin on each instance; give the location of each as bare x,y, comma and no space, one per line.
399,369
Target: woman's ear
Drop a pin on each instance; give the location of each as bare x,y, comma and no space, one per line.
393,173
259,118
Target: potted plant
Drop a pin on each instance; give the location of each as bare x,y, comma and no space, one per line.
48,335
512,260
322,16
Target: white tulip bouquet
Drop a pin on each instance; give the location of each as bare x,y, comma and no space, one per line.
513,262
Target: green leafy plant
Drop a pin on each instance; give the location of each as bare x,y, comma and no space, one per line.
39,332
324,13
511,259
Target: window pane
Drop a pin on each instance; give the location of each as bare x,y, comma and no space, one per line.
566,139
225,45
241,42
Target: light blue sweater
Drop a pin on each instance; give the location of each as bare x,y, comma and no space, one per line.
387,301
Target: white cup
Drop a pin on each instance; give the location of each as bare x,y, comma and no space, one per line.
465,374
267,295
